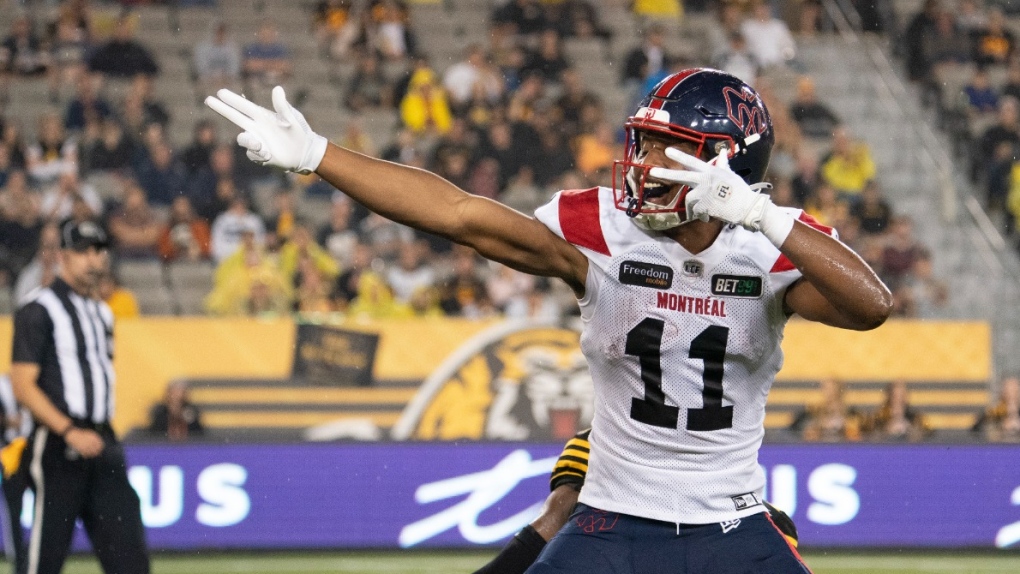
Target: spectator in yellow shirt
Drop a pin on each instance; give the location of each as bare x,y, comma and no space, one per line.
849,166
425,109
120,299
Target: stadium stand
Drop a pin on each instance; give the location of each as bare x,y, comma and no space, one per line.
922,173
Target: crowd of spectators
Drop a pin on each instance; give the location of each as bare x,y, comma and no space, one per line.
964,57
833,417
513,120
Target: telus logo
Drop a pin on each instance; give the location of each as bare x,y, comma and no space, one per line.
484,489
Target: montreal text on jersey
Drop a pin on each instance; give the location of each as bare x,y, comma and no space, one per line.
695,305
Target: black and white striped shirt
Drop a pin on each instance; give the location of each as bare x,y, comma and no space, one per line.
70,337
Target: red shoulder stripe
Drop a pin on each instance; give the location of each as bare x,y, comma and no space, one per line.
812,222
580,221
784,264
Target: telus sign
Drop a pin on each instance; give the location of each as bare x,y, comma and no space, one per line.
456,495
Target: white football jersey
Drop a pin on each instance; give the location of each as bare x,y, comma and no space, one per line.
683,349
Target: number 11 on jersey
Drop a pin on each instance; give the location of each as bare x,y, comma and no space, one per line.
644,341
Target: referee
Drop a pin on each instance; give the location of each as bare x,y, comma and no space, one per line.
62,370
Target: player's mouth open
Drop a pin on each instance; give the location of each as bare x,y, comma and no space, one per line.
658,191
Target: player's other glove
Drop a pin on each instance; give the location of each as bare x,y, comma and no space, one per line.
716,191
280,138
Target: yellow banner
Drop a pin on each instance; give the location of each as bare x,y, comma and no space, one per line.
151,352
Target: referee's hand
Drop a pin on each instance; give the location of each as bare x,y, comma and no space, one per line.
87,442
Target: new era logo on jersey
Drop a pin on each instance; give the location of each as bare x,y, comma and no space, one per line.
646,275
742,501
736,286
729,525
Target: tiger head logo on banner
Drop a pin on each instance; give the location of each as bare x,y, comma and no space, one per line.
516,381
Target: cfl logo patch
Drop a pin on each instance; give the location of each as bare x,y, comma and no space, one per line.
724,191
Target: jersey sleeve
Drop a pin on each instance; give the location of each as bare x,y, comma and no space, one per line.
32,327
576,216
783,272
572,465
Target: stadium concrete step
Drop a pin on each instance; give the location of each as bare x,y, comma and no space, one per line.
291,407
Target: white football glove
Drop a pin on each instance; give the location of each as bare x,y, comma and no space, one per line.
281,139
716,191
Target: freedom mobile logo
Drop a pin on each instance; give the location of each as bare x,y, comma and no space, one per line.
646,275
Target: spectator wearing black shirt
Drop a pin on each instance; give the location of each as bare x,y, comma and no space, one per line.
574,98
345,289
122,56
807,178
112,150
21,53
1012,85
203,183
1006,130
557,159
548,60
463,294
645,60
369,87
814,118
86,107
526,16
176,418
872,212
20,226
196,156
921,25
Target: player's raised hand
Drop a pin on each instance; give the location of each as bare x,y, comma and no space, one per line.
280,137
716,191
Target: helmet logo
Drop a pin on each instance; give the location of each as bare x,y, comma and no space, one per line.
653,115
744,111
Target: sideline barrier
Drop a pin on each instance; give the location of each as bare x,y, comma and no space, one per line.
152,351
414,495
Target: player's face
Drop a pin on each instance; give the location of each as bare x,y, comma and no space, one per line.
82,269
652,151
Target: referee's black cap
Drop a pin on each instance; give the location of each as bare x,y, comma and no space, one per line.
81,235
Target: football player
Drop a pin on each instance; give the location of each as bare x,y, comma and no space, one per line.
685,273
565,483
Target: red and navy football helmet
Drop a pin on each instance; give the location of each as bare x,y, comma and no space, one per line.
707,107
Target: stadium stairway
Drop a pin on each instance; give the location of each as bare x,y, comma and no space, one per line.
918,174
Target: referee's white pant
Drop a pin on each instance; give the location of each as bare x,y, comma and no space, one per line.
97,491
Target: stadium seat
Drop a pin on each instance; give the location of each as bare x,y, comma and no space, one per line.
155,300
140,275
6,302
186,274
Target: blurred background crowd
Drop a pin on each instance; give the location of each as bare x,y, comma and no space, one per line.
92,128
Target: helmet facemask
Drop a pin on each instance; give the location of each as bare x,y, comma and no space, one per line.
631,188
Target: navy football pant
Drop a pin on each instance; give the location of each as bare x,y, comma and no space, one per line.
598,542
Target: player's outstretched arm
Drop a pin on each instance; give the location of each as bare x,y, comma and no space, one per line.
838,287
414,197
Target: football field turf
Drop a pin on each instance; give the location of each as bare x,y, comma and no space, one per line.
420,562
